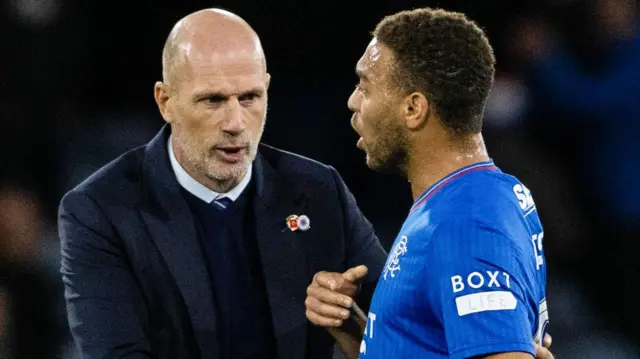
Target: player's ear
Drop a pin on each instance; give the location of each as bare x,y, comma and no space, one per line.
416,109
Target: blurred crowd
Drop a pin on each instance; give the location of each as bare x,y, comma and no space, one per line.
76,91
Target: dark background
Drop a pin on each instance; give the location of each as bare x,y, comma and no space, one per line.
76,90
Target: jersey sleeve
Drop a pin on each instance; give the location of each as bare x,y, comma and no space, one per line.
481,287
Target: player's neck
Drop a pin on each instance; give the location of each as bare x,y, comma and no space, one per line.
429,164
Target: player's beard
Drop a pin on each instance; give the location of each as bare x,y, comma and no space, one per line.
387,153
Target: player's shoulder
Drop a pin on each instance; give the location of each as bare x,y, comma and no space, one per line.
485,204
488,196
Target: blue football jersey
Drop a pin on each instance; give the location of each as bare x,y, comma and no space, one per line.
466,275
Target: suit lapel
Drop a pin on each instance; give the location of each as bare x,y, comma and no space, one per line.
172,228
283,257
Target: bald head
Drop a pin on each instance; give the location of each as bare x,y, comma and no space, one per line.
211,36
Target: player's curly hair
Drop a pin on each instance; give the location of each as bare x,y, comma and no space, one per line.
445,56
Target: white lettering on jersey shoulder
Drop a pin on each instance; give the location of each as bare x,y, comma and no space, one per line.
536,240
485,294
485,301
543,321
480,279
525,199
368,332
393,263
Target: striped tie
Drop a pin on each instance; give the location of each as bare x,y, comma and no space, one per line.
223,202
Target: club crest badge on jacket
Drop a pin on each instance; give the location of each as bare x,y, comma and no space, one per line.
295,222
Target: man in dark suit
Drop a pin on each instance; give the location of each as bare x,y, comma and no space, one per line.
201,244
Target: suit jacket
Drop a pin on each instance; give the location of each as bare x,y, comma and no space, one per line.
136,281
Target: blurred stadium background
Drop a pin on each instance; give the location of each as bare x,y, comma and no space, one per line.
76,90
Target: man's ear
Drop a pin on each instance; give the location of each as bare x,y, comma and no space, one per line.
416,111
162,95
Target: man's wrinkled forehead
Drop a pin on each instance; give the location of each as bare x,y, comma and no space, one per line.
368,67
